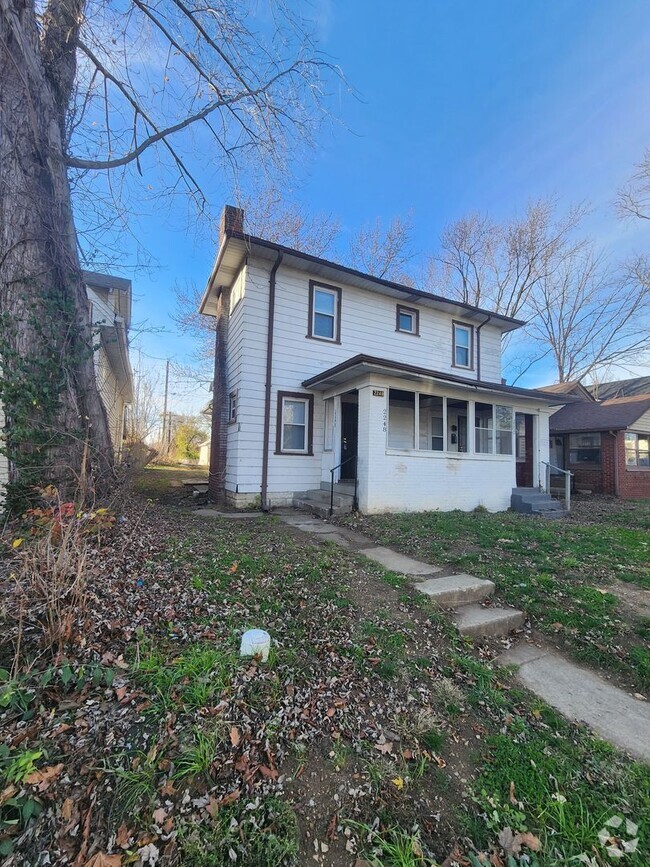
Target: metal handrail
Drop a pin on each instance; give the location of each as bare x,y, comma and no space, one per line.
567,482
356,482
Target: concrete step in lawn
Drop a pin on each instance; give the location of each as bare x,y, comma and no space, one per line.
317,502
456,590
476,621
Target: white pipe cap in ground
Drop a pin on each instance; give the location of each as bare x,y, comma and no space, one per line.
255,642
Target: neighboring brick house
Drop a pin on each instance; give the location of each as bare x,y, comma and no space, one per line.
109,300
605,444
322,368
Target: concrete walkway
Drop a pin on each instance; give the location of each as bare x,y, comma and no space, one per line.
579,694
576,692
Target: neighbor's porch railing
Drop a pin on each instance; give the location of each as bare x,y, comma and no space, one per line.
355,504
567,482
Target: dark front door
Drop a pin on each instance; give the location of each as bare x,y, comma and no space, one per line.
524,431
349,439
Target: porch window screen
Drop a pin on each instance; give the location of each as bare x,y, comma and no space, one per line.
504,418
431,433
457,434
484,428
637,450
401,419
584,448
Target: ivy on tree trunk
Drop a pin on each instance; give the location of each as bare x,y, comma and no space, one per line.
56,425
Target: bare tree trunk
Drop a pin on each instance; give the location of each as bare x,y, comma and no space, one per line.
46,344
219,439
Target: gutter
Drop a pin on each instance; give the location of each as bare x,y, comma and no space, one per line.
267,387
616,482
478,347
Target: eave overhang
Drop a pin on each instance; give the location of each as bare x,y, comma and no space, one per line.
236,246
363,365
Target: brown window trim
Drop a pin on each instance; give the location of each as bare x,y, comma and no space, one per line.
234,394
454,324
316,284
310,423
413,311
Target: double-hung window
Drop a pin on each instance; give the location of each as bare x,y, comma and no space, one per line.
463,352
584,448
294,423
637,450
324,312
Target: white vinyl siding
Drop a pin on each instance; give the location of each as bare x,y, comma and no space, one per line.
367,326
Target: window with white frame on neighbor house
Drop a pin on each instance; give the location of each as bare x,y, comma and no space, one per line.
294,421
463,337
232,407
637,450
324,306
584,448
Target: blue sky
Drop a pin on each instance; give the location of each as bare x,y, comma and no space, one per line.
460,105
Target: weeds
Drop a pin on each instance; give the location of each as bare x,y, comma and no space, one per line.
260,833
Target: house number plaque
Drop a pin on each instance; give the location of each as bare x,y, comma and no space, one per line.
377,392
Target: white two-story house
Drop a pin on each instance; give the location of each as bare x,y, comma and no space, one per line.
325,373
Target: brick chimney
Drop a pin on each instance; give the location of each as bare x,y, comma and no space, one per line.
232,220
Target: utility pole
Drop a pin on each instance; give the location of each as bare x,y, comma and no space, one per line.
164,423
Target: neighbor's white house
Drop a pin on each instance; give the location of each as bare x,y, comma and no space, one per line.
109,300
320,367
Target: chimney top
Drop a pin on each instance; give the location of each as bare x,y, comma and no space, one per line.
232,220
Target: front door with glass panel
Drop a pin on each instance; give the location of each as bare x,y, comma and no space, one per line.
349,439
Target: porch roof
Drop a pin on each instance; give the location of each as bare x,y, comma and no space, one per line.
359,365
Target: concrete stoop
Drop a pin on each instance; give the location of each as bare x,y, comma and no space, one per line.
531,501
317,501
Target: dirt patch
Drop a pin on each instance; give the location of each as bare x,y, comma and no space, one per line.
634,599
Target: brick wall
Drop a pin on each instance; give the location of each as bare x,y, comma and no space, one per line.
632,483
602,479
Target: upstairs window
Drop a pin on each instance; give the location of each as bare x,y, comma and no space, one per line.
463,353
408,320
637,450
324,312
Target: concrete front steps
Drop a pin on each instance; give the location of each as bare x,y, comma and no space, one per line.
318,501
531,501
464,592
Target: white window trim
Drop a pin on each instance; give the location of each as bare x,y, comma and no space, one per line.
295,399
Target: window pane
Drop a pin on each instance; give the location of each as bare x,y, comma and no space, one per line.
462,337
483,422
329,424
294,437
504,442
401,419
457,425
323,325
630,457
504,416
324,302
406,322
584,440
431,435
294,411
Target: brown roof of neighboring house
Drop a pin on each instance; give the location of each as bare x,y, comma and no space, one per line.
576,388
616,414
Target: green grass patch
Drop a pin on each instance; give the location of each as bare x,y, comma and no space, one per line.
556,571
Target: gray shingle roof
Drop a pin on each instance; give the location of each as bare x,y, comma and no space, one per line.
615,414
